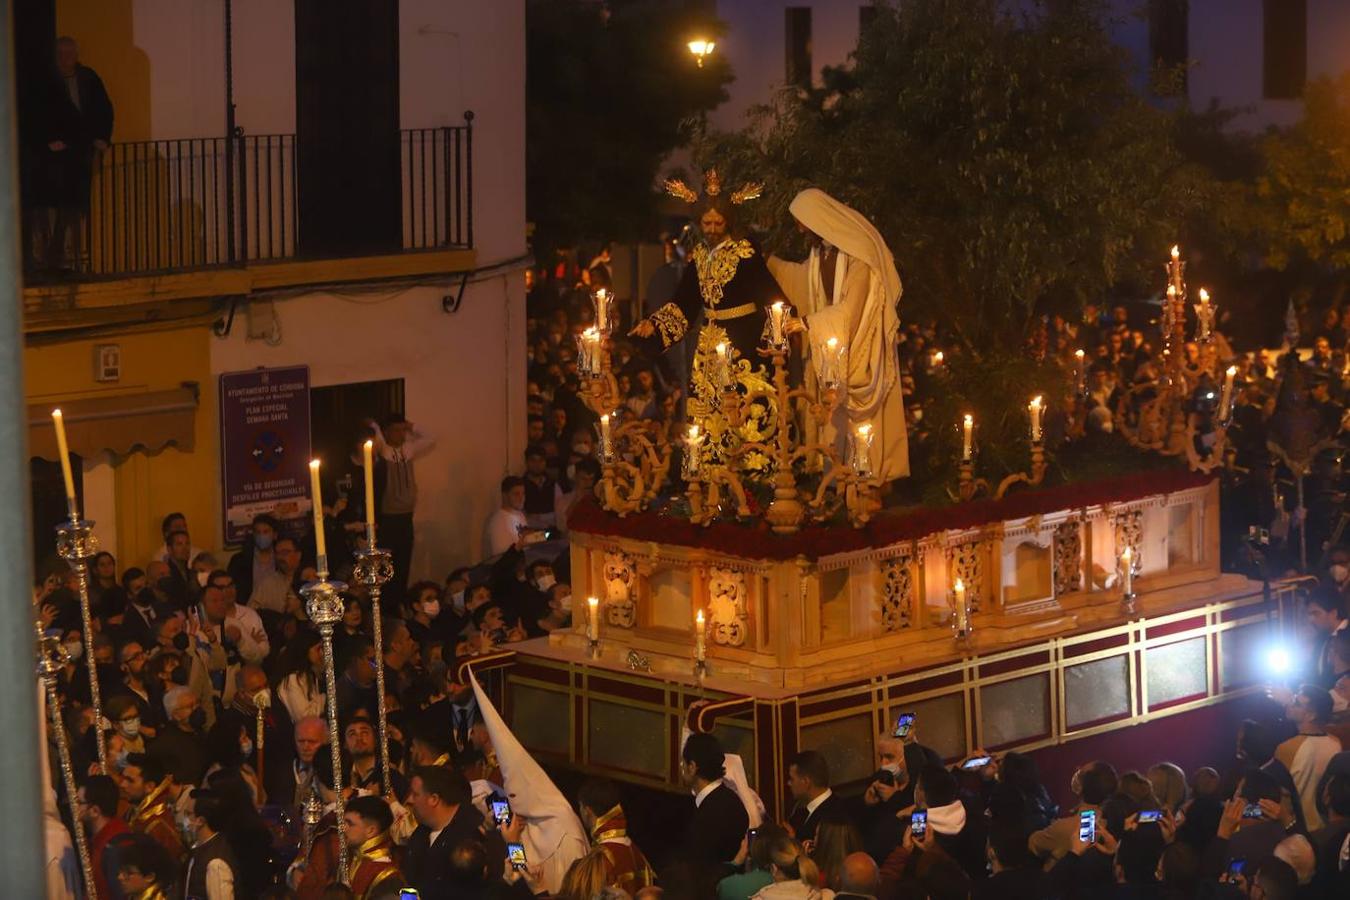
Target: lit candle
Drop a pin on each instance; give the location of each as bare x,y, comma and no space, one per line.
722,376
700,631
776,313
829,374
604,435
602,310
63,449
862,450
593,619
1126,563
937,359
1034,407
1225,404
959,591
1176,254
368,466
1079,365
968,432
691,450
320,549
1203,316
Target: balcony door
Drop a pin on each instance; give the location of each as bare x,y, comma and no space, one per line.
347,127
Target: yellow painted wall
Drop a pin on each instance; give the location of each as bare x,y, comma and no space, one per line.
104,29
148,485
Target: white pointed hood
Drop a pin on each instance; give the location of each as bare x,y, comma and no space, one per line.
553,837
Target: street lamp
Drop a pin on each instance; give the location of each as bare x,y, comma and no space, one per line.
701,48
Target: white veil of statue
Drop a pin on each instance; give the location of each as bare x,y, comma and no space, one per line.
860,312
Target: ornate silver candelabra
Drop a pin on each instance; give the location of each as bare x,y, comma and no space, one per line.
374,569
323,603
51,657
75,543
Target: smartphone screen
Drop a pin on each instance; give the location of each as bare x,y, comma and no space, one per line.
501,811
516,854
1236,866
1150,815
903,723
409,894
1087,826
750,838
918,823
1252,811
978,762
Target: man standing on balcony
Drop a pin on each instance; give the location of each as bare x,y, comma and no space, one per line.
398,444
77,125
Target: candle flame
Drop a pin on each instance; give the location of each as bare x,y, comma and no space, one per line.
314,464
865,429
370,445
1204,296
722,349
778,306
937,358
970,420
832,343
1079,354
1231,371
592,602
56,414
1171,290
1036,402
699,618
960,585
1176,251
1125,554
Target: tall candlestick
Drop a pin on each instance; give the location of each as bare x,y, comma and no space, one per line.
1034,407
1127,564
602,311
723,376
1226,401
368,467
959,599
967,434
1081,370
593,619
828,372
700,632
776,314
63,449
320,548
862,449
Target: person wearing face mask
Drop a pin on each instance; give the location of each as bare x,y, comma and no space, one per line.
141,613
198,659
127,723
891,790
182,742
257,558
137,686
425,601
250,693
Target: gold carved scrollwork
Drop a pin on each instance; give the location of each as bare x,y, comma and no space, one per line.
897,593
620,578
1068,556
670,324
705,404
716,267
727,593
967,564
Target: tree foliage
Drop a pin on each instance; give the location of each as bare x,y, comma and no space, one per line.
1006,157
1301,202
609,90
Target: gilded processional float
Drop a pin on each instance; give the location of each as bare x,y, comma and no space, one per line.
769,580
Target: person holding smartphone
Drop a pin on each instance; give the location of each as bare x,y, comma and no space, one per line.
1093,784
890,791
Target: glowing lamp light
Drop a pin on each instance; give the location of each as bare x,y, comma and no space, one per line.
701,49
1278,661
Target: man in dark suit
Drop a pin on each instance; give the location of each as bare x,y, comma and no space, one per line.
250,684
77,124
809,782
720,820
441,801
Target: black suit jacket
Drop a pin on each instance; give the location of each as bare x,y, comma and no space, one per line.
714,836
427,866
805,825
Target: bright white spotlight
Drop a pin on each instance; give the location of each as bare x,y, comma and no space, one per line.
1278,661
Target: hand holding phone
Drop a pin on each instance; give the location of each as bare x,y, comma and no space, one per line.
515,854
918,823
1087,826
903,724
976,762
1150,815
501,811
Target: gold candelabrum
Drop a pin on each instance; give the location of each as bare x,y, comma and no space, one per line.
1157,415
373,570
969,487
76,544
51,658
323,603
849,481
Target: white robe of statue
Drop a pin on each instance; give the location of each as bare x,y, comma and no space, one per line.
860,312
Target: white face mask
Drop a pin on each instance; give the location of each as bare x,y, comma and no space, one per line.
75,649
457,599
432,608
202,578
565,601
1340,573
246,748
546,582
130,727
893,768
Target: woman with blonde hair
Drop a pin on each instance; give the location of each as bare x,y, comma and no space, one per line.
795,876
1169,784
585,878
836,838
